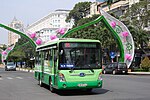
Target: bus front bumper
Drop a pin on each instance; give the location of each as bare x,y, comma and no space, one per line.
80,85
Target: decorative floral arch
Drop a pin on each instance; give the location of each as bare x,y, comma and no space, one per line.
119,31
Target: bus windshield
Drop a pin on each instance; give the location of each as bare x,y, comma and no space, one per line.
79,56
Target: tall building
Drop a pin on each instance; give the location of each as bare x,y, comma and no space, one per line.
133,2
50,23
117,7
13,37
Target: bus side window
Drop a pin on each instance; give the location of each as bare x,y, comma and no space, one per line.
51,54
55,57
38,58
51,57
46,58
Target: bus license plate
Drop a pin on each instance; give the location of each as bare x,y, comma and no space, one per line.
82,85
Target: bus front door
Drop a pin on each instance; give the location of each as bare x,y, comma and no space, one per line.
55,65
42,66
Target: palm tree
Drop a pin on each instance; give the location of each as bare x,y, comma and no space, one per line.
140,37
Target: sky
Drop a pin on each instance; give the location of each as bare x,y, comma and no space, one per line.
29,11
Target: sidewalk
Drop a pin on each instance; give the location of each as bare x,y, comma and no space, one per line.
26,70
139,73
1,66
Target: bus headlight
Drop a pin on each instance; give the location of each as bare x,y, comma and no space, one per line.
100,76
61,77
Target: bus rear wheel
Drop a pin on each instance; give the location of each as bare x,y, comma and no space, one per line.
51,86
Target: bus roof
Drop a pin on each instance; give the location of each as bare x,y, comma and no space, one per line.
67,40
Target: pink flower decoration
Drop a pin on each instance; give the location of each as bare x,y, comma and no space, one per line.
38,41
125,34
61,31
128,57
9,48
52,37
4,53
113,24
58,30
32,35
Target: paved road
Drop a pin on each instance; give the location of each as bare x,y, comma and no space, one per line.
18,85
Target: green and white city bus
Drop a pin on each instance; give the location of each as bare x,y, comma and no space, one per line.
69,64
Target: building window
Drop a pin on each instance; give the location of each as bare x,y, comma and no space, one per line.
103,6
114,1
148,22
148,7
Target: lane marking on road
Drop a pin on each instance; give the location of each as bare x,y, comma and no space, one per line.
19,77
9,78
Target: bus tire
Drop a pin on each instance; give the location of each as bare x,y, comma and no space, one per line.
51,88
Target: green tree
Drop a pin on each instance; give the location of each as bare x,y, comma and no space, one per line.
22,53
145,64
80,10
138,14
16,55
136,18
140,37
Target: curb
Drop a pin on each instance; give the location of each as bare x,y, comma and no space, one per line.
25,70
139,73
